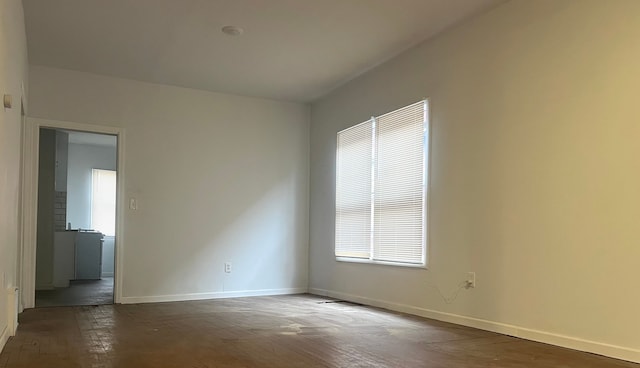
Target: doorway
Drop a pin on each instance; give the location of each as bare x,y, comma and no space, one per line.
75,240
70,255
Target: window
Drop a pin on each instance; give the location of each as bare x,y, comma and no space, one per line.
103,201
381,176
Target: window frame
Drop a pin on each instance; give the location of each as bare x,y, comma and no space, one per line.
425,194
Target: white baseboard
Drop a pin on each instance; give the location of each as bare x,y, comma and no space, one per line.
44,287
60,284
613,351
107,274
4,336
13,307
213,295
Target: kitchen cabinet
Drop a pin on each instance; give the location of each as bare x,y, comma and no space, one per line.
88,255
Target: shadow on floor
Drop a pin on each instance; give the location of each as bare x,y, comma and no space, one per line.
81,292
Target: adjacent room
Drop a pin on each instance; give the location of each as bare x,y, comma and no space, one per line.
77,200
335,183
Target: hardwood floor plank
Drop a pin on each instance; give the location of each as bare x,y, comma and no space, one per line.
276,331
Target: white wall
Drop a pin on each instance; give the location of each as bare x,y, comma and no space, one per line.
217,177
534,176
82,159
13,73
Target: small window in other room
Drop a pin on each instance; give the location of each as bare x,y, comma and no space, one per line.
381,188
103,201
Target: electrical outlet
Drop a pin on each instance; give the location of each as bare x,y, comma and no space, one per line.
227,267
471,280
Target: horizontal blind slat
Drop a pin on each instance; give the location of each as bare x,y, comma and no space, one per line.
399,186
353,191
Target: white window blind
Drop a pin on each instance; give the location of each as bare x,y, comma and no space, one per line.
103,201
381,188
399,186
353,191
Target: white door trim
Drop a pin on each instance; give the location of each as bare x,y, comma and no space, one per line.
30,201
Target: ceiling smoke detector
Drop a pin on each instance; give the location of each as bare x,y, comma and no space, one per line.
232,30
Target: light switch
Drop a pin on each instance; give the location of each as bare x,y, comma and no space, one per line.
133,204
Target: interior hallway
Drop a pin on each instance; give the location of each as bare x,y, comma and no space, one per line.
278,331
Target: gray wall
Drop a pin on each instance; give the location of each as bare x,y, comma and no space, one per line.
108,253
46,193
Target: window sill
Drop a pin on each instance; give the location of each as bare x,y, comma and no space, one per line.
386,263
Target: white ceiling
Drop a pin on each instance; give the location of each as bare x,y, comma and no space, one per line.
296,50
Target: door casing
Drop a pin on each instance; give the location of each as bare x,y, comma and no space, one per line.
30,201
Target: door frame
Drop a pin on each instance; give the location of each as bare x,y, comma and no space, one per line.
21,186
30,200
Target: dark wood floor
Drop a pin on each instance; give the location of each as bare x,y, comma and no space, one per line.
280,331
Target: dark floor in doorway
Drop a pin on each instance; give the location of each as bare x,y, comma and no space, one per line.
81,292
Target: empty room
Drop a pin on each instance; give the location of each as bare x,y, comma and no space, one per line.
319,183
